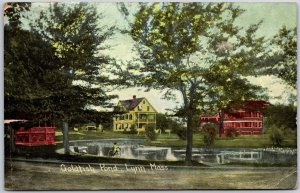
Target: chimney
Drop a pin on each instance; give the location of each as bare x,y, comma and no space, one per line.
134,97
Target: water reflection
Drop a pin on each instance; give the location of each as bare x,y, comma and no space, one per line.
132,150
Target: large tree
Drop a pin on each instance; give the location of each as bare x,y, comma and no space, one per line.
31,74
61,66
75,33
197,50
283,63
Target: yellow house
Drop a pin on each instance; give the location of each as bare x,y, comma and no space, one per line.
138,113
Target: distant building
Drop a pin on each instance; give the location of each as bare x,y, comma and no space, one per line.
138,113
85,127
247,120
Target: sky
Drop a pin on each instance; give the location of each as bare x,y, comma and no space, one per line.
274,15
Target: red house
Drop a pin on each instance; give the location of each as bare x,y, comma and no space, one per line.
244,120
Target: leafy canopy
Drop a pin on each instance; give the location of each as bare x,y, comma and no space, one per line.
61,67
286,64
196,49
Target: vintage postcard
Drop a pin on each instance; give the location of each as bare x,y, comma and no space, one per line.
150,95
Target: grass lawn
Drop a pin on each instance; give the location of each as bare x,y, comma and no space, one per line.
240,141
173,140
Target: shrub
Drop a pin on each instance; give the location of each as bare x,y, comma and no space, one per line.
150,132
180,131
231,132
276,136
132,130
209,132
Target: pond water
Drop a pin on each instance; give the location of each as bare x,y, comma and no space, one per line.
131,149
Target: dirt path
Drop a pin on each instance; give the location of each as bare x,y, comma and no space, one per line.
37,176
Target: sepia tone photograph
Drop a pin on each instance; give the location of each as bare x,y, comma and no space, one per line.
150,95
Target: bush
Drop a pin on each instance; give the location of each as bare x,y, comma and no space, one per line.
132,130
231,132
209,132
150,132
276,136
180,131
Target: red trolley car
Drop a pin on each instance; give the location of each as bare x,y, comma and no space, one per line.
25,134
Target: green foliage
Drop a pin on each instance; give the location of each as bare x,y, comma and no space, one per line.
285,58
209,132
279,115
87,116
76,37
164,122
276,136
14,12
31,76
150,132
190,48
132,130
231,133
180,131
61,69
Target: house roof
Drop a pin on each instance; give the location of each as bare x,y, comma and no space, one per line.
131,103
257,103
13,120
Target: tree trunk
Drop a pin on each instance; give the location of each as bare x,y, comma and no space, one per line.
66,137
221,127
12,140
189,138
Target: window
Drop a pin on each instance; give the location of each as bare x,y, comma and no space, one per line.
140,126
126,116
144,102
140,107
130,117
248,124
148,108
